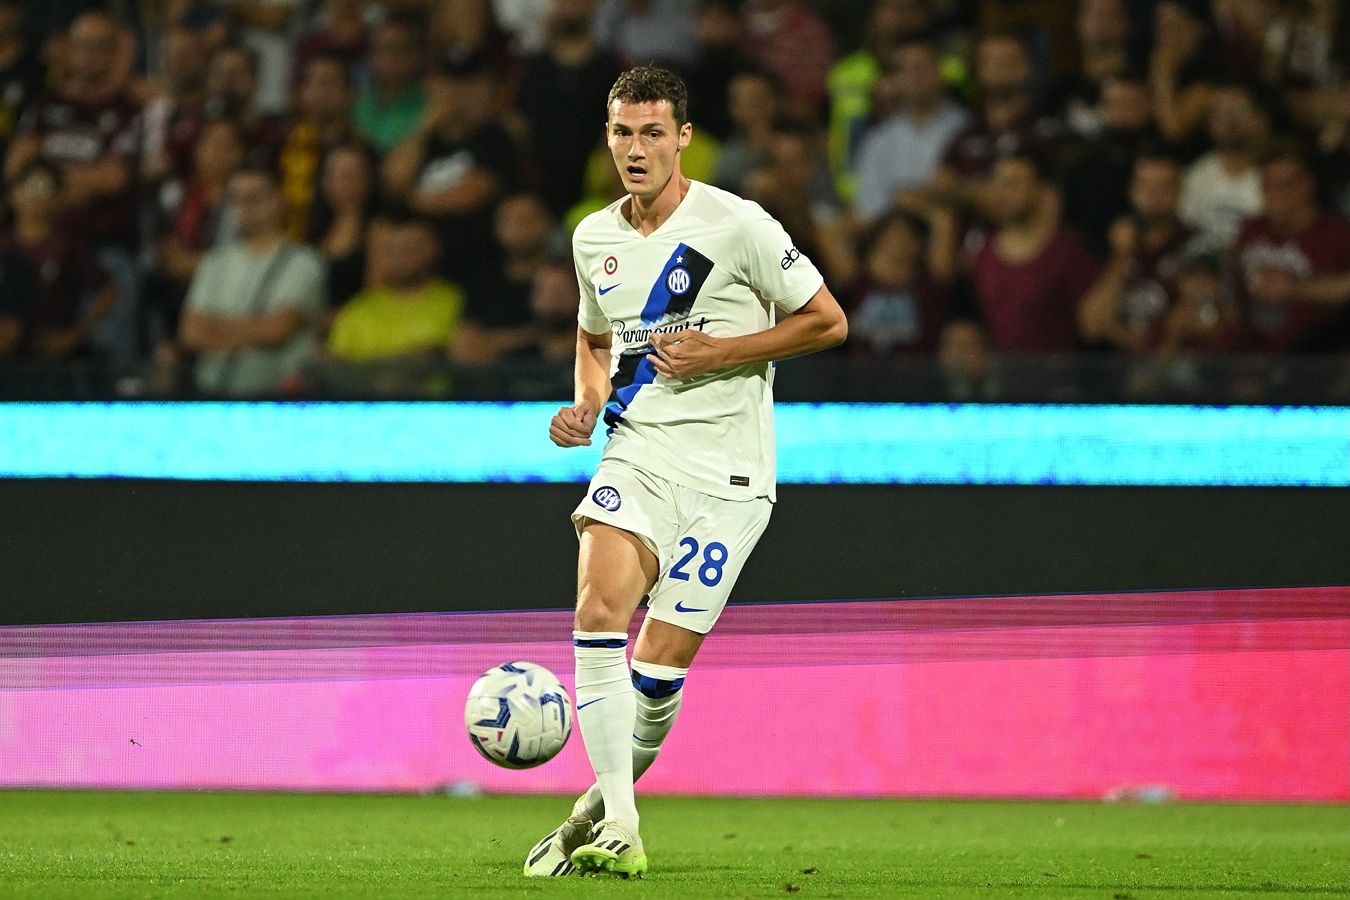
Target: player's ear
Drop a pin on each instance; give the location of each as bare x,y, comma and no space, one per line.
686,134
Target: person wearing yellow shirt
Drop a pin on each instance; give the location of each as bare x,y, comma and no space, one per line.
407,311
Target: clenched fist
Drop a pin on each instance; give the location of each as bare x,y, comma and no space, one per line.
572,426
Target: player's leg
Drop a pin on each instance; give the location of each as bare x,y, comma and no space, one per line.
661,660
615,569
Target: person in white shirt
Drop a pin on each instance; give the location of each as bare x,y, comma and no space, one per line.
688,296
1222,189
904,150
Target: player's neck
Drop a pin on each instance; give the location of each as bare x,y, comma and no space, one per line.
648,215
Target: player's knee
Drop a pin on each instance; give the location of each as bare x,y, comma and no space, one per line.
600,610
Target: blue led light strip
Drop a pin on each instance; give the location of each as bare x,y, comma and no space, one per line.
817,443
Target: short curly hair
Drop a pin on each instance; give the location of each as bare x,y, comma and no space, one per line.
651,84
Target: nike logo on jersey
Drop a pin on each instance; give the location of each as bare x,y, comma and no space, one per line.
596,700
605,290
680,607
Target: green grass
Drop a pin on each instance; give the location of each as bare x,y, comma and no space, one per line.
95,845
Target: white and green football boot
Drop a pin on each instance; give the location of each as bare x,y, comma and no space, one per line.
613,850
552,856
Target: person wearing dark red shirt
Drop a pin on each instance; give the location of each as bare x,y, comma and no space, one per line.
71,294
1030,273
1127,306
173,120
1291,265
231,89
89,129
1006,123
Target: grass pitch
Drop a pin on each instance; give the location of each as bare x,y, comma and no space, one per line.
96,845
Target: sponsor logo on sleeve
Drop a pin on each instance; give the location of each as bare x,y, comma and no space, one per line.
790,257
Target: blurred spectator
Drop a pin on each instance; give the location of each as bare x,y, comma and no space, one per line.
1203,316
752,100
253,307
896,305
193,216
1029,275
1104,54
554,298
602,186
21,71
1292,265
1096,182
340,33
719,42
462,29
561,97
455,165
498,320
851,80
795,188
1183,67
391,102
660,32
72,293
1298,43
90,129
409,312
269,29
1223,187
18,289
323,123
1007,122
788,38
524,21
903,150
348,188
1331,121
174,118
1127,306
231,85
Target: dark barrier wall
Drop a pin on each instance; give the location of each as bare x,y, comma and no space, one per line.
80,551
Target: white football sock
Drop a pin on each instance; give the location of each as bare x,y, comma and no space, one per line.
606,708
657,691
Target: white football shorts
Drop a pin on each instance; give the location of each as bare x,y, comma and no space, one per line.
701,542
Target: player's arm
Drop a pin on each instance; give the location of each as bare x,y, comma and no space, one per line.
818,325
572,425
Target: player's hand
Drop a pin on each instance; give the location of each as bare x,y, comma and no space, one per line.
572,426
686,354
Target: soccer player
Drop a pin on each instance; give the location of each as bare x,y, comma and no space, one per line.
680,284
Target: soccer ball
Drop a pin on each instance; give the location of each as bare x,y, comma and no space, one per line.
518,715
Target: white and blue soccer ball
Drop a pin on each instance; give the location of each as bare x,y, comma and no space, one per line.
518,715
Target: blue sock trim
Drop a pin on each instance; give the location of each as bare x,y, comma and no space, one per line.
656,688
600,643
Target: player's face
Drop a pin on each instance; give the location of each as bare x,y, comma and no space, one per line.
645,142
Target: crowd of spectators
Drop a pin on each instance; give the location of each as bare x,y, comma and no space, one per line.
233,195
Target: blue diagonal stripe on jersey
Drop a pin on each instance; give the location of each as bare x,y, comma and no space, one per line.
634,370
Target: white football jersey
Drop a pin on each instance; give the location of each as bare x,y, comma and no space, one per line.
718,264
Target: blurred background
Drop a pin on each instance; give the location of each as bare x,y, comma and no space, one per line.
1064,517
1064,200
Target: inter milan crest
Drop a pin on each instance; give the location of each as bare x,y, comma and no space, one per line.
677,282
